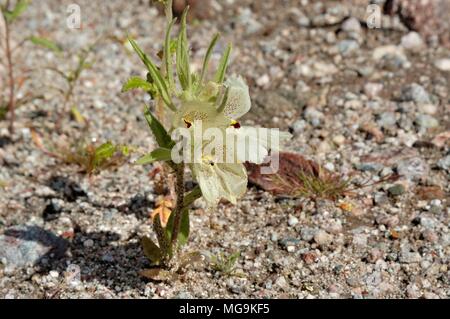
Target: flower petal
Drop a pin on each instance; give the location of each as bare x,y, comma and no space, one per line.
239,102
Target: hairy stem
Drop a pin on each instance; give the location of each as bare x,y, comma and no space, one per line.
179,189
12,86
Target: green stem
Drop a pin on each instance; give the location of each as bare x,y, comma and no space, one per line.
179,190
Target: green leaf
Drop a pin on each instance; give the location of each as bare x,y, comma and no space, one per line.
221,71
168,55
46,43
183,68
183,236
233,259
79,118
162,137
208,56
160,154
137,82
155,74
104,152
3,112
151,250
193,195
20,7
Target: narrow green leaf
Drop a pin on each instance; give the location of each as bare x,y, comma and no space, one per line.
46,43
169,227
162,137
151,250
221,71
157,78
183,68
208,56
183,236
193,195
160,154
20,7
137,82
168,55
104,152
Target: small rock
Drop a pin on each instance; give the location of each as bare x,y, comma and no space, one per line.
322,238
372,90
388,220
443,65
281,282
351,24
369,167
396,190
347,47
263,80
289,243
310,257
412,41
430,235
426,121
88,243
413,291
339,139
380,199
415,93
360,240
413,168
375,254
313,116
387,120
293,221
410,257
444,163
307,234
430,109
428,222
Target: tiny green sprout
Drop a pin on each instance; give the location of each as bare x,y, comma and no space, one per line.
223,264
195,104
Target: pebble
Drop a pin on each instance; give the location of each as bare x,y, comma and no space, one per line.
339,139
351,24
293,221
88,243
396,190
380,199
444,163
388,220
443,65
412,41
414,168
387,120
426,121
313,116
415,93
373,90
263,80
307,234
322,238
347,47
409,257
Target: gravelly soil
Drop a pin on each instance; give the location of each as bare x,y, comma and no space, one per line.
360,101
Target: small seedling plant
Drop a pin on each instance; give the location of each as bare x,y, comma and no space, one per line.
10,13
193,102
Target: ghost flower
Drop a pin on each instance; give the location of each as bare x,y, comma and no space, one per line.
221,173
